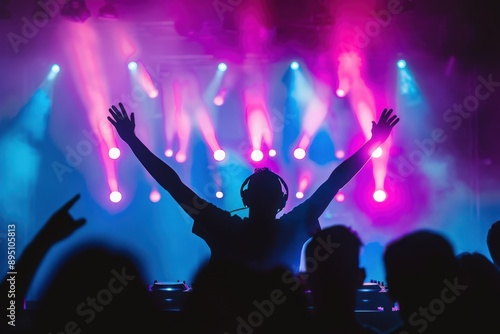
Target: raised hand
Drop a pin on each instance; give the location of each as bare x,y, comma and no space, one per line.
124,125
382,129
61,224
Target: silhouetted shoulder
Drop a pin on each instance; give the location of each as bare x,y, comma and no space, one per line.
493,242
98,289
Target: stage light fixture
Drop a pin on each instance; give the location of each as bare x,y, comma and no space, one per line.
180,157
55,68
153,94
114,153
169,153
299,153
340,197
115,196
294,65
379,195
222,67
219,155
154,196
76,11
377,153
401,64
257,155
218,100
132,65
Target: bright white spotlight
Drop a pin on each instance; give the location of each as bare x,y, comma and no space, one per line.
54,70
132,65
154,196
180,157
272,152
340,197
377,153
340,154
114,153
299,153
153,93
401,63
219,155
379,195
299,194
219,194
218,100
340,92
257,155
294,65
115,196
169,153
222,67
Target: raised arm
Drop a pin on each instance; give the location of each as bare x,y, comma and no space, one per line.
58,227
344,172
159,170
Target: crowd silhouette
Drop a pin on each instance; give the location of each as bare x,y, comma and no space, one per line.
493,242
252,283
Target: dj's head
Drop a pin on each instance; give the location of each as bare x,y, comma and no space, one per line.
263,190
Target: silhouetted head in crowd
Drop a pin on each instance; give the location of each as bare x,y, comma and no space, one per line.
423,272
228,297
334,277
493,242
483,292
97,289
337,266
262,193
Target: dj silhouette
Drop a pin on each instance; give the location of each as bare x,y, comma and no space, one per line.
260,241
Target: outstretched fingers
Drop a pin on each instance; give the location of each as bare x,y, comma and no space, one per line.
114,114
79,223
394,122
117,112
391,120
70,203
112,121
385,115
124,112
387,118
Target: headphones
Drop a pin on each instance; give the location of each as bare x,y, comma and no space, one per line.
246,195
